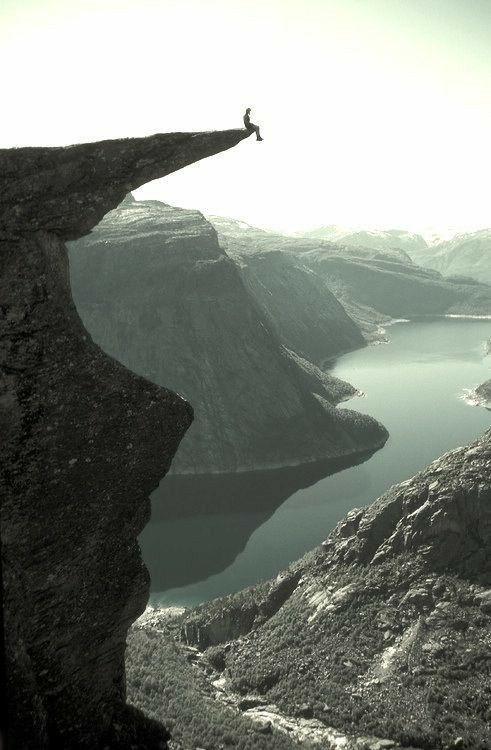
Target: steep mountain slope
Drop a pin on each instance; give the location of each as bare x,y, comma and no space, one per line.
164,681
464,255
299,305
373,285
84,442
385,629
156,291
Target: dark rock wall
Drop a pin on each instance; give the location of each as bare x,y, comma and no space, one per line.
88,443
84,443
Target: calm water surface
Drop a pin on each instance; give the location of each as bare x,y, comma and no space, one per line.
413,385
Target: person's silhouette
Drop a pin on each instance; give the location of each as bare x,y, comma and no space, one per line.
250,125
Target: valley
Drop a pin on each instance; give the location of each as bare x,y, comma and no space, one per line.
415,385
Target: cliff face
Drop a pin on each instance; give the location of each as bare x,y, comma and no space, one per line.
84,442
387,625
156,290
298,303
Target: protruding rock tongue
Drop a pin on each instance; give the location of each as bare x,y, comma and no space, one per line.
68,190
84,441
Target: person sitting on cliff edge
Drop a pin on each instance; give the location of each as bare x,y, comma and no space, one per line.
250,126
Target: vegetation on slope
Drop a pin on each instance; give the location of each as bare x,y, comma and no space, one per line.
413,668
166,685
385,629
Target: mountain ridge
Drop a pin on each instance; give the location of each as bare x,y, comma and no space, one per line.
465,254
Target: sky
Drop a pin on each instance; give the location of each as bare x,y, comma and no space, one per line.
374,113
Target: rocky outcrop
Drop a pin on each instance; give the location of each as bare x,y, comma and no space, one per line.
386,626
443,515
483,394
84,442
238,615
67,190
156,291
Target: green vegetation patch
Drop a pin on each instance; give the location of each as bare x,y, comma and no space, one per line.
163,683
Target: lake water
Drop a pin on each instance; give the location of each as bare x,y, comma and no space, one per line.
414,385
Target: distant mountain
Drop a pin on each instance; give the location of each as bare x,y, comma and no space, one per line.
464,255
395,287
373,284
375,239
242,238
246,239
155,290
435,235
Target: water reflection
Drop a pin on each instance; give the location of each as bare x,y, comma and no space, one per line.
221,511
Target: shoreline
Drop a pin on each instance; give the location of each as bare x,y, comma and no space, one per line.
326,367
434,316
312,462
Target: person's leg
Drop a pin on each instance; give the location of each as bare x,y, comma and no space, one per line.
258,134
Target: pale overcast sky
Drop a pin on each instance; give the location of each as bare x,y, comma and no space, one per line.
375,113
